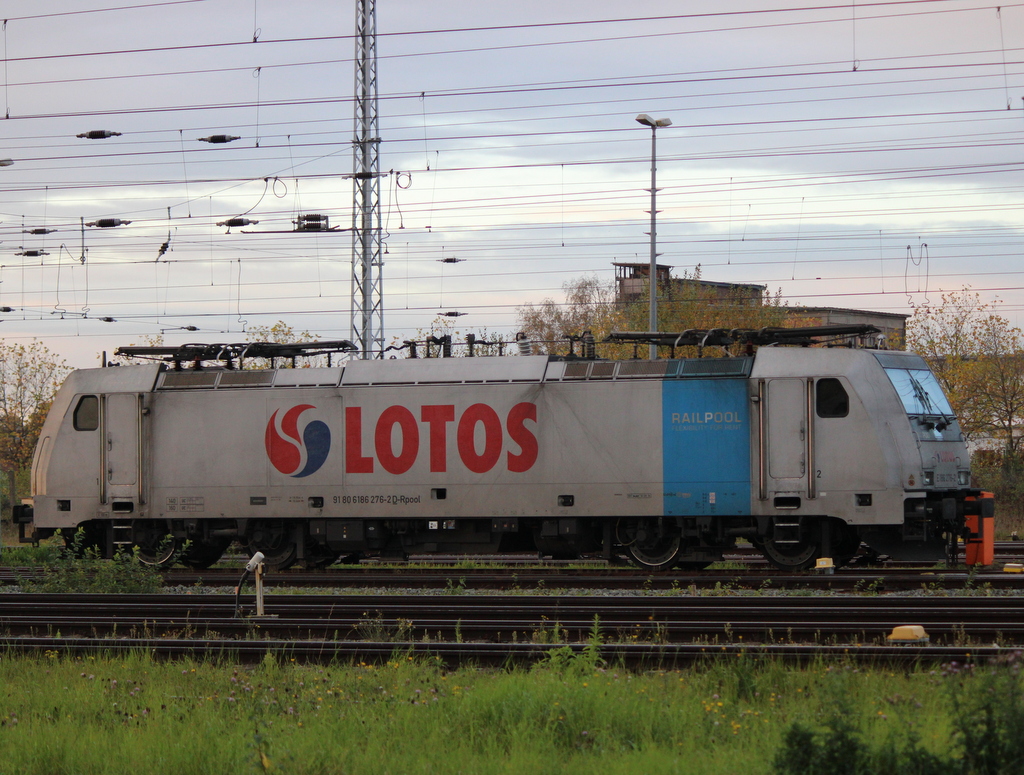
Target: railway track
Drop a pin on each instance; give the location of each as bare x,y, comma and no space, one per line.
631,656
665,630
537,577
540,578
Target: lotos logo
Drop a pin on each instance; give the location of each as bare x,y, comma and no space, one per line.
293,453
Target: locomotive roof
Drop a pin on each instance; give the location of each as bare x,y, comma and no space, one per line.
489,370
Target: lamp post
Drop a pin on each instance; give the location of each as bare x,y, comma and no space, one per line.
653,123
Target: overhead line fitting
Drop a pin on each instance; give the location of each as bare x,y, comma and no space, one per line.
99,134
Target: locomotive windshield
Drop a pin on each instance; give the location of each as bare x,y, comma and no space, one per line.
920,392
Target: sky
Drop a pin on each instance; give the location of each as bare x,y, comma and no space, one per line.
863,155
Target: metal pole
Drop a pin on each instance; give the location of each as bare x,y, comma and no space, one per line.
260,610
367,258
653,280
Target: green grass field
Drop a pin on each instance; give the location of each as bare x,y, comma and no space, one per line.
570,715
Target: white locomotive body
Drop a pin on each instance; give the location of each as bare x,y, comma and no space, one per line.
806,452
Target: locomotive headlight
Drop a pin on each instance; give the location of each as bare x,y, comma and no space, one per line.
928,479
963,478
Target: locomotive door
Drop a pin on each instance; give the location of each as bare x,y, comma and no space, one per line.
123,447
788,431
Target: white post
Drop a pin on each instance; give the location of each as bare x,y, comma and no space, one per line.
653,280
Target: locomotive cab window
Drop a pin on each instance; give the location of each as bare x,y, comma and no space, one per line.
87,414
831,398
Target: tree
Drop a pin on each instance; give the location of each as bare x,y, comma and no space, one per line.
281,333
692,304
484,343
686,304
589,306
29,377
978,358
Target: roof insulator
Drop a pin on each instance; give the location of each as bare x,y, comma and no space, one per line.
108,223
219,139
230,222
99,134
312,222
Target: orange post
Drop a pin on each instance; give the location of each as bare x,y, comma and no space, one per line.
979,549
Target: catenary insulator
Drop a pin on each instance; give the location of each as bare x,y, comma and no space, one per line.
99,134
219,139
312,222
108,223
236,222
32,253
40,230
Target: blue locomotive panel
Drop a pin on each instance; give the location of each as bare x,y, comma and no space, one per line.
706,443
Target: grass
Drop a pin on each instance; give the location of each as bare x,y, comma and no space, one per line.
569,715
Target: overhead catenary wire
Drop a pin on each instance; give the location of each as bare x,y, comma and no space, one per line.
146,182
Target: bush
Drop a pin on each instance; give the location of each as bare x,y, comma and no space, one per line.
987,733
72,568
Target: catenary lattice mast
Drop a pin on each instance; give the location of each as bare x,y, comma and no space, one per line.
367,258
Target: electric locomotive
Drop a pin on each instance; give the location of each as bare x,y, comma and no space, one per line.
807,452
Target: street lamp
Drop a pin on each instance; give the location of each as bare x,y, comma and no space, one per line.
653,123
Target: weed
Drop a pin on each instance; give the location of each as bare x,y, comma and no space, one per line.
375,628
544,634
972,577
866,587
453,587
960,636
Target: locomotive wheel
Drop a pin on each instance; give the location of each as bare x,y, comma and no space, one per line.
692,565
653,548
274,539
319,556
279,557
847,547
159,551
200,555
799,556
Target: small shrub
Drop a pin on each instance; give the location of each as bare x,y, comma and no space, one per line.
73,568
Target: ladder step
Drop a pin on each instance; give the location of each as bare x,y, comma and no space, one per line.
786,533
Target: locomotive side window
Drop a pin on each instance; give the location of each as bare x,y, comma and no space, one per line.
831,398
87,414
